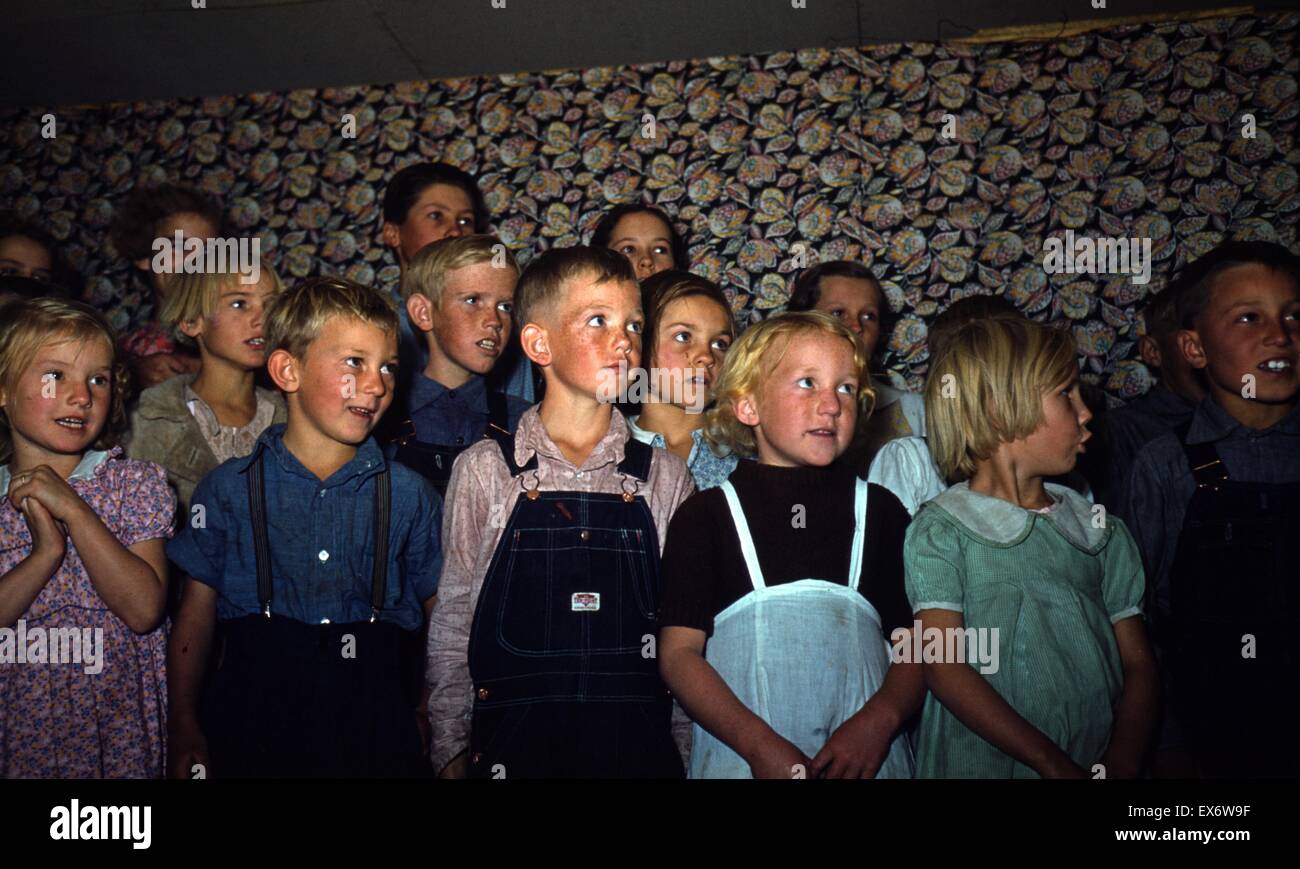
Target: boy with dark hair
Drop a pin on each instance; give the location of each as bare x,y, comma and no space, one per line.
1214,507
318,559
1167,406
541,647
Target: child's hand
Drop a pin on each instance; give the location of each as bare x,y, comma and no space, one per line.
187,748
856,749
779,758
48,539
43,484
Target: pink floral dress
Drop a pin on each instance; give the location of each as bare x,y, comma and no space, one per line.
57,720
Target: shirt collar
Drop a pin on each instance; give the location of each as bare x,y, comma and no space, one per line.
1212,423
425,391
368,461
531,438
1002,523
85,469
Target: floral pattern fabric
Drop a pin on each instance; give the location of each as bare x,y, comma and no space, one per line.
768,162
56,719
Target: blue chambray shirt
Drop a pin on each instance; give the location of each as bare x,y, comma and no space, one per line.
322,537
454,417
707,468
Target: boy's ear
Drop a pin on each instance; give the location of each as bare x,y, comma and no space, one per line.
536,344
1189,342
745,409
1149,350
392,234
143,264
284,371
419,308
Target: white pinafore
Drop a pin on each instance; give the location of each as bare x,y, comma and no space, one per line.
804,656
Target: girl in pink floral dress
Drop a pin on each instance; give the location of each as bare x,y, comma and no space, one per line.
83,575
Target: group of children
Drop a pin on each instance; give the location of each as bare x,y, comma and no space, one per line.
800,581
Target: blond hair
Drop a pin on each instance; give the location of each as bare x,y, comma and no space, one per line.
427,271
295,317
986,385
194,295
26,324
754,356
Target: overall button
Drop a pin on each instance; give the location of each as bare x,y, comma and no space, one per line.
323,555
482,693
584,535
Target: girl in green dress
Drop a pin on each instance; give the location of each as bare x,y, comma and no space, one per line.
1002,562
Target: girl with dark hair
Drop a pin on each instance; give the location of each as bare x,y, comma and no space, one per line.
688,330
150,213
644,235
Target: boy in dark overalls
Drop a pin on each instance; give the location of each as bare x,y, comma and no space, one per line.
314,564
542,645
1215,508
459,294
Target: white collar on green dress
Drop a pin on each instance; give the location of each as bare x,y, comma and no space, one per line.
1001,523
85,469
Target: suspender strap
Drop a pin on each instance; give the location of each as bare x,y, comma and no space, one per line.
262,542
379,572
1203,459
636,459
498,411
506,441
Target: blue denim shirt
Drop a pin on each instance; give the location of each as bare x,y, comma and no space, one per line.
707,469
413,355
454,417
322,538
1153,501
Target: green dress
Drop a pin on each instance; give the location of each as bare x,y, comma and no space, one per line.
1053,585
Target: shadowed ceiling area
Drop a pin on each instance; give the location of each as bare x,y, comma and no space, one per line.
91,51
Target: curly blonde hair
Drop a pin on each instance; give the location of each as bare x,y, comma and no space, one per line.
753,357
26,324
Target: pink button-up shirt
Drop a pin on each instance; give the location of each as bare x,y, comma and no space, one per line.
480,498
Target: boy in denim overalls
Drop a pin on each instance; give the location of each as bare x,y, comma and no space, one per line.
542,644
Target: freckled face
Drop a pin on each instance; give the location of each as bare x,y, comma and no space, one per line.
806,408
60,403
597,326
472,324
346,379
692,338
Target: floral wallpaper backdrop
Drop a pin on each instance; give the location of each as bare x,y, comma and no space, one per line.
1131,131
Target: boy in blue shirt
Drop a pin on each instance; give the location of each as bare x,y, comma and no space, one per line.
1214,507
459,293
315,564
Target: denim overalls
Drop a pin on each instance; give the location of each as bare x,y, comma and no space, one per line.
286,701
1235,574
434,461
804,656
561,652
